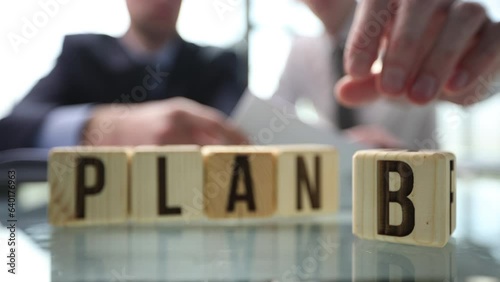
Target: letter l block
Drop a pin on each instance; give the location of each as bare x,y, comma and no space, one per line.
404,197
166,183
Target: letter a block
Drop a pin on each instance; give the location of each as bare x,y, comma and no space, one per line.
88,185
307,179
166,183
404,196
239,181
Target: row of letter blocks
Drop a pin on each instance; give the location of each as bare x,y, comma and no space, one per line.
399,196
104,185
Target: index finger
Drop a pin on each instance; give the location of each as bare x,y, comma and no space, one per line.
414,30
370,23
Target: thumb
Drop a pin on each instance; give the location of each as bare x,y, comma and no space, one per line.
352,92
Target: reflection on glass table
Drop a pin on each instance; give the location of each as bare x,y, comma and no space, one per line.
309,248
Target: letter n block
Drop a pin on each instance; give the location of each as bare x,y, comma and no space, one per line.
404,196
240,181
307,179
88,185
167,183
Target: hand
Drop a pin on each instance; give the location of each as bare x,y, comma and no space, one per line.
373,136
432,49
171,121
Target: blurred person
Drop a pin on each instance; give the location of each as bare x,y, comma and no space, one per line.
362,109
147,87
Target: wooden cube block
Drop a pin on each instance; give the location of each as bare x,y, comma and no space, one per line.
307,179
166,183
88,185
404,196
240,181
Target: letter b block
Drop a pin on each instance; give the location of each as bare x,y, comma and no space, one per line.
404,196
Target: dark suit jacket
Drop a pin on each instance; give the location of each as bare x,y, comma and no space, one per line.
96,69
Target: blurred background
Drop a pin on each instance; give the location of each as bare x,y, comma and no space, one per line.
260,30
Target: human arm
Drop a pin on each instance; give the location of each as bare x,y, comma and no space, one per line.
170,121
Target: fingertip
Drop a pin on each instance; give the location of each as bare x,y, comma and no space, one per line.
458,81
344,97
391,81
356,92
417,99
342,92
424,90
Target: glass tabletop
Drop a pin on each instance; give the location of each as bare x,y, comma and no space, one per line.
279,249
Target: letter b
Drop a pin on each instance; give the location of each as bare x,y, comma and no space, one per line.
385,196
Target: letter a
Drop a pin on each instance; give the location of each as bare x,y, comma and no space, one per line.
241,164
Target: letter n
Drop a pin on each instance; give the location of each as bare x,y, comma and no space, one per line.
302,178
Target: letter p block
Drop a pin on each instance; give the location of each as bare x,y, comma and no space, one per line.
404,196
88,185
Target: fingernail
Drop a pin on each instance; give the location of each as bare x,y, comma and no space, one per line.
459,80
393,80
359,65
424,89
